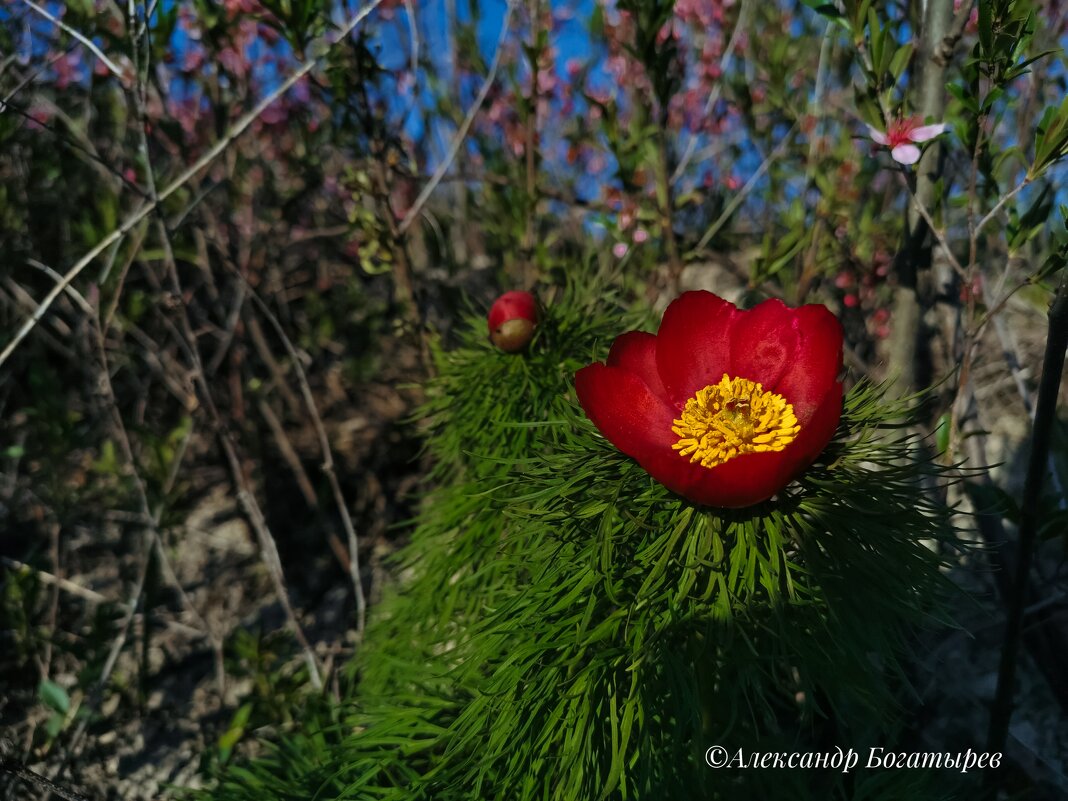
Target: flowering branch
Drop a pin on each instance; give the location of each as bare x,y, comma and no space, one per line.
724,65
739,198
465,126
213,153
113,68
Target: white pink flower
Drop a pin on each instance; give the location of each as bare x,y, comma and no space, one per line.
901,136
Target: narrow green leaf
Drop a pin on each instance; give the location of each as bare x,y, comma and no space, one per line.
53,696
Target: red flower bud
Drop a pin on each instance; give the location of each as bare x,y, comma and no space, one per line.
512,320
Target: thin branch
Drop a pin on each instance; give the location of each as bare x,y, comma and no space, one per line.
66,585
1012,361
941,237
413,28
112,658
949,43
465,126
77,141
1000,205
29,78
113,68
739,198
724,65
20,771
86,594
213,153
328,463
246,496
530,148
74,294
1041,433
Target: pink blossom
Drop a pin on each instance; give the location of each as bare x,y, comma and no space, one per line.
619,250
275,113
640,236
901,134
973,19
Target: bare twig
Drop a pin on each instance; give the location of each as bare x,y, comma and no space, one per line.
113,68
246,495
72,293
1012,361
20,771
288,453
530,148
922,210
186,175
117,645
278,372
1000,205
740,197
413,28
465,126
66,585
724,65
327,466
28,78
86,594
950,40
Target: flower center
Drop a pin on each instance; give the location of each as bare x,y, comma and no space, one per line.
733,417
898,132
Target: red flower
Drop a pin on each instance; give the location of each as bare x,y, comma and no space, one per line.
723,406
512,320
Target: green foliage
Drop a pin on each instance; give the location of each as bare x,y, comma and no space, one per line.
657,54
56,699
1051,144
568,628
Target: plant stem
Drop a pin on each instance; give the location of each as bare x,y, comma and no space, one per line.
1045,412
530,149
667,214
915,254
20,771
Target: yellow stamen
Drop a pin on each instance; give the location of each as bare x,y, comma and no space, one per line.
733,417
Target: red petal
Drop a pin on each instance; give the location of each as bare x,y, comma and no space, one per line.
635,352
636,421
817,362
763,342
625,409
742,481
693,343
814,435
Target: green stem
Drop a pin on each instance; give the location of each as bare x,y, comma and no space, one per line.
667,212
